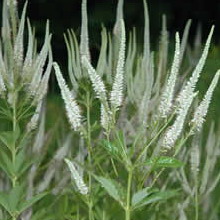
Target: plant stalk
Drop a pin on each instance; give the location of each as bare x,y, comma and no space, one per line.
14,126
90,203
128,201
196,201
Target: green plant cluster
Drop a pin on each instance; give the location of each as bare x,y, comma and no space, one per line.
131,143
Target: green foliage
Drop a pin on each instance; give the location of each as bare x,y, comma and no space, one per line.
164,161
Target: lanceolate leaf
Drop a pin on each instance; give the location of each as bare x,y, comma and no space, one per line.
111,148
164,161
8,138
30,202
13,201
155,197
111,187
6,164
139,196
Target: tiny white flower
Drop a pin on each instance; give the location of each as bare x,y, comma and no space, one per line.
202,109
117,88
190,85
175,130
97,83
32,124
168,94
105,117
83,189
84,38
72,109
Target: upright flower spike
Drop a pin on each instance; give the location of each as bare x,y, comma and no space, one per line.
119,16
175,130
83,189
168,94
84,39
72,109
189,88
32,124
28,61
40,63
43,86
19,47
2,71
163,55
117,88
146,32
105,117
97,83
202,109
184,39
185,99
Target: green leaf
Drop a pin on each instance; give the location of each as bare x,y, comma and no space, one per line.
24,205
14,197
112,188
11,199
22,163
164,161
156,197
4,202
13,202
111,148
6,163
8,138
141,195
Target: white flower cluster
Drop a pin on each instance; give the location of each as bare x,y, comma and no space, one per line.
117,89
72,109
83,189
188,89
168,94
116,95
185,99
202,109
84,44
32,124
97,83
175,130
2,70
106,115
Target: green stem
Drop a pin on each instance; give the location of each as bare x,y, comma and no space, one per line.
196,202
90,202
112,160
174,155
14,125
128,206
153,139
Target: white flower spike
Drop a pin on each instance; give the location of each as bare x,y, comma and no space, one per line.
202,109
83,189
72,109
117,89
168,94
